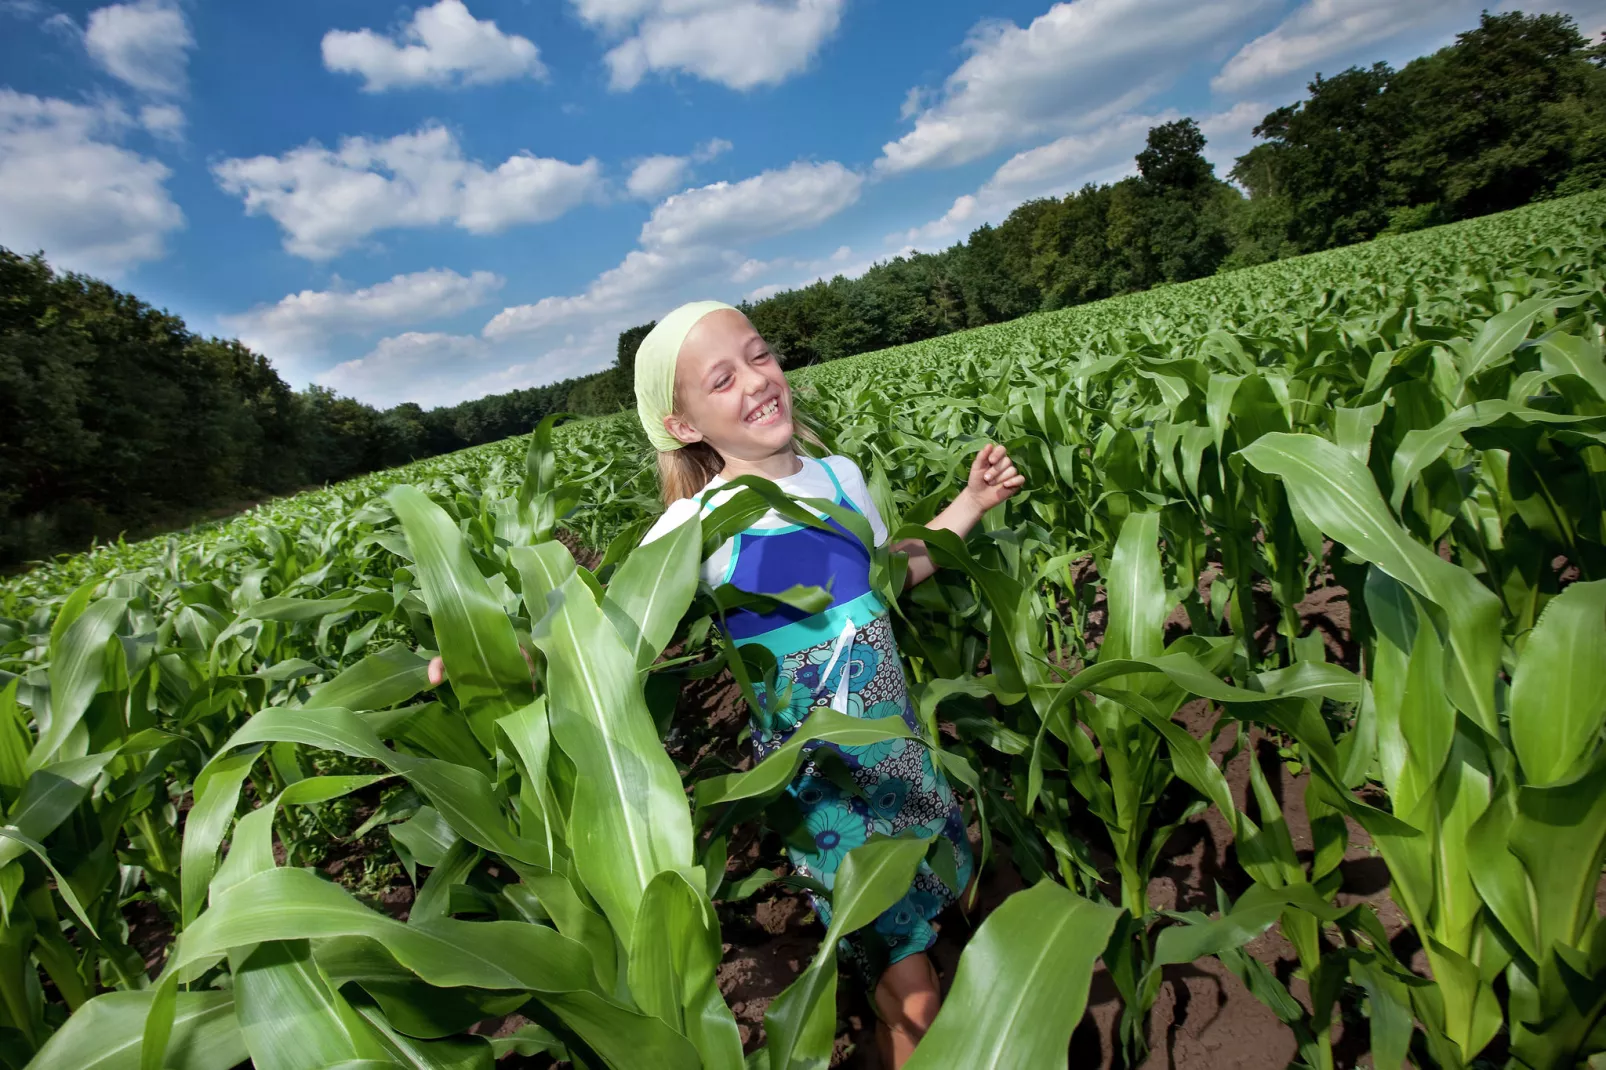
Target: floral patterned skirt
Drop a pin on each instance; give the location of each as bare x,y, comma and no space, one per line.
848,794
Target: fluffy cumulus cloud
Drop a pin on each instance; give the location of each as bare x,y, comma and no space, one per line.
1323,29
431,368
692,239
644,277
294,331
800,272
655,176
165,121
407,367
68,188
1103,154
442,45
145,44
1074,68
774,202
328,200
742,44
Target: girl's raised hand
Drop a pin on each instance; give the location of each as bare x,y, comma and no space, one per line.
993,478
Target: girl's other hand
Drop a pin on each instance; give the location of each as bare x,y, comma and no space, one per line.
993,478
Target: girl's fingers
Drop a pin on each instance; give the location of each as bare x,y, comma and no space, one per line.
437,672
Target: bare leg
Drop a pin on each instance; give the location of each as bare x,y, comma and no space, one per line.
907,999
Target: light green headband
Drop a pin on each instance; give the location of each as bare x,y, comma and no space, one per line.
655,370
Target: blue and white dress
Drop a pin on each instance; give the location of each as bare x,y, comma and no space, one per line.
843,657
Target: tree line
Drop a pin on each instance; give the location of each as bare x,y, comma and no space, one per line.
113,416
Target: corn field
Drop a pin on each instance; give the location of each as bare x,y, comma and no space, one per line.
1420,421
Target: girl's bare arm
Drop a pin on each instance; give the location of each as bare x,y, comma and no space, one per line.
992,481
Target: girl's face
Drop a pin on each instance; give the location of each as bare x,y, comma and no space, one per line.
730,390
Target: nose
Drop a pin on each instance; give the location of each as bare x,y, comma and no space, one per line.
754,380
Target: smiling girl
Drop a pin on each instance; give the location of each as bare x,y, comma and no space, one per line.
715,405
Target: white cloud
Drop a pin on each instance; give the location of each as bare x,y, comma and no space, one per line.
655,176
293,331
432,369
408,367
91,205
1321,29
801,271
1334,33
1073,68
1058,167
738,43
328,200
689,248
641,278
767,204
1065,164
165,121
442,45
144,44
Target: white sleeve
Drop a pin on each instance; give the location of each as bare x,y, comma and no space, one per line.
714,568
858,492
677,514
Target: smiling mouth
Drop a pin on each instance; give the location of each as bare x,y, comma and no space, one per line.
765,412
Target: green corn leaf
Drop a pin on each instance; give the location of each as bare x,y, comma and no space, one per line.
801,1022
291,610
1338,496
1137,598
476,638
464,797
289,1015
771,776
650,591
217,793
106,1032
291,904
1558,691
75,675
49,798
377,682
409,1004
629,819
1022,984
674,954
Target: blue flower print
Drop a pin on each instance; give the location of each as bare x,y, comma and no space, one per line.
836,832
909,914
887,798
807,677
882,709
799,705
862,664
815,792
872,754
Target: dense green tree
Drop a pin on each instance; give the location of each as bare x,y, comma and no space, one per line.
1500,118
1328,157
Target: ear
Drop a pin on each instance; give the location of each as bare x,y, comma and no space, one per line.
682,430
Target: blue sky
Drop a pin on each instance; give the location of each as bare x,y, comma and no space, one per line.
431,202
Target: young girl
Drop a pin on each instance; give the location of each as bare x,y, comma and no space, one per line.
715,405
